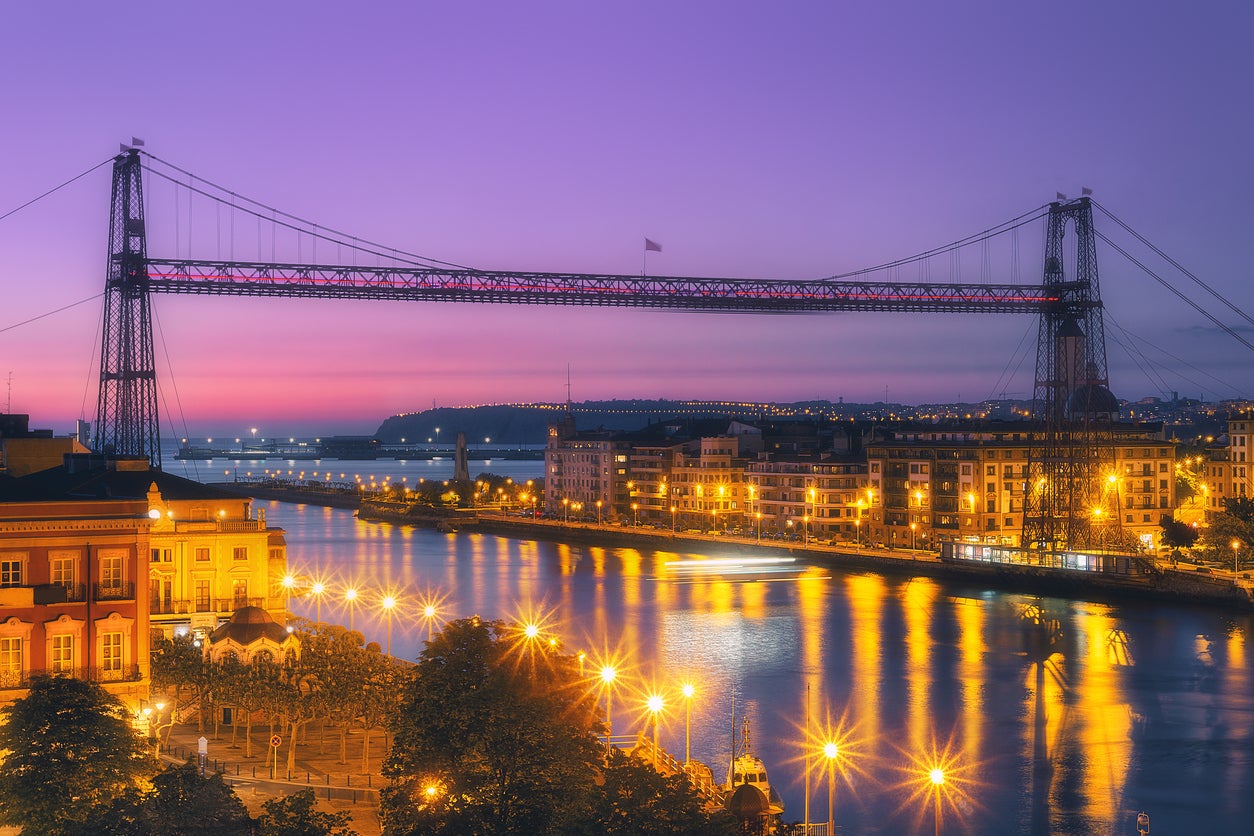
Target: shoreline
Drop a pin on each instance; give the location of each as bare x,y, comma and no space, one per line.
1181,586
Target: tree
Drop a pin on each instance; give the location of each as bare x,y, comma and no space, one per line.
1177,535
297,815
496,734
634,799
69,748
181,801
180,664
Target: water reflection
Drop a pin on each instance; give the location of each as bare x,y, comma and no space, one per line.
1057,717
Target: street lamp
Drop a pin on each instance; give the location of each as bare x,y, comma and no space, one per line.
830,751
673,510
389,603
428,614
912,528
565,510
1236,549
857,529
758,514
806,520
654,703
688,691
937,777
635,516
607,677
350,595
598,512
316,590
288,583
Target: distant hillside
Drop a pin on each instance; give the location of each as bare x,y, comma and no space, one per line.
528,423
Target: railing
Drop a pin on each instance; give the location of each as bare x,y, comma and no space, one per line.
10,679
114,591
220,526
163,607
798,829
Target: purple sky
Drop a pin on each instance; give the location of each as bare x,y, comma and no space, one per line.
795,140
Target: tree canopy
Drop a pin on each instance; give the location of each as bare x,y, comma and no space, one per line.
181,801
495,733
498,733
297,815
68,750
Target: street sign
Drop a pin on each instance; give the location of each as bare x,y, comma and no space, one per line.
276,741
203,744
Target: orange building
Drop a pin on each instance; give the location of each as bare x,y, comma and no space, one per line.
73,572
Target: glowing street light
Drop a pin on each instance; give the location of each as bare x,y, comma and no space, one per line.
350,595
674,508
428,614
389,603
655,705
688,691
830,751
598,512
607,677
1236,549
316,590
937,777
288,582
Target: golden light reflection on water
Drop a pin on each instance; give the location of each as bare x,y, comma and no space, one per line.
1236,686
917,598
866,602
1103,737
972,670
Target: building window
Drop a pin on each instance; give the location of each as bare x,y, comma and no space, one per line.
11,571
202,553
62,660
111,572
241,552
111,656
63,571
239,592
202,596
162,555
10,661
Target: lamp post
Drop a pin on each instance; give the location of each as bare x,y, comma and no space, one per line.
350,596
428,613
389,603
758,514
316,590
655,708
565,511
857,529
598,512
1236,549
937,777
673,510
635,515
806,519
830,751
607,677
912,528
688,691
288,583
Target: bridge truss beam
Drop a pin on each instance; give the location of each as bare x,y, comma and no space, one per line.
185,276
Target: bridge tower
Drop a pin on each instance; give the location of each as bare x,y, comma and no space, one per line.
126,408
1069,501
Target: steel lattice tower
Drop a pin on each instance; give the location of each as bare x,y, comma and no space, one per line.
1067,503
126,409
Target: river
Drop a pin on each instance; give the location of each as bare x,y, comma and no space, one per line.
1047,715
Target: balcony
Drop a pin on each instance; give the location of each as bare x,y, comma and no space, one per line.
218,526
11,679
170,607
114,591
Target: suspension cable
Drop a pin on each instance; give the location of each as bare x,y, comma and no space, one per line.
55,189
300,224
1227,303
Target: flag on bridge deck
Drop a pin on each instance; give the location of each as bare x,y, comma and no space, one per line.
1086,192
652,245
1061,196
136,142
